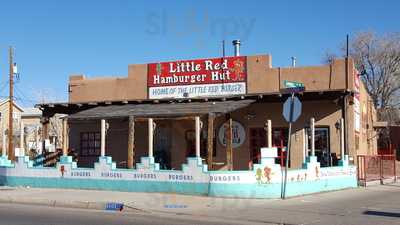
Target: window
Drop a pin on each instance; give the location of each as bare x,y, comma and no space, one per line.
90,144
322,148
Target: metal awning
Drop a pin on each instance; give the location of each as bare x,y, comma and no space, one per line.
161,109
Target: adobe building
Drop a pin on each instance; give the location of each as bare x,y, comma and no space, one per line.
233,105
26,123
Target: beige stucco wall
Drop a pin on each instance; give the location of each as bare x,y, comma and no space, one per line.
367,135
367,138
261,78
116,139
326,116
328,113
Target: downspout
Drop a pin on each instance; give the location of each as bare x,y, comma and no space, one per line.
345,99
344,115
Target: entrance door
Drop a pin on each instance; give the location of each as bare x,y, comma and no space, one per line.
162,146
322,146
258,138
280,140
257,141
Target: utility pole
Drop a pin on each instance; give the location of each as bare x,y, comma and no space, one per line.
11,153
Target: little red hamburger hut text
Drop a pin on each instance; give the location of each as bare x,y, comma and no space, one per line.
195,72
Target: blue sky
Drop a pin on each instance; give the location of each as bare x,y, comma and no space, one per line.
54,39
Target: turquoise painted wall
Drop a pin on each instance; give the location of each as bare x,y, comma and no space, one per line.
24,174
212,189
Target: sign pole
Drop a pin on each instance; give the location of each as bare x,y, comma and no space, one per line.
289,144
291,112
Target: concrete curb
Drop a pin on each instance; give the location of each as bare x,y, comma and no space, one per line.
127,208
58,203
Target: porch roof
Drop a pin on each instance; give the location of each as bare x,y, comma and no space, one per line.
161,109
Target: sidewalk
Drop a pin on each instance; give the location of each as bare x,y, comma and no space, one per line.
302,210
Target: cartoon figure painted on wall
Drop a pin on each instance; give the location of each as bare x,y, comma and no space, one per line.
264,176
259,175
62,170
317,172
267,173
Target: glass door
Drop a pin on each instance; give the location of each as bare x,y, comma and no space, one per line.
280,141
162,146
322,146
257,141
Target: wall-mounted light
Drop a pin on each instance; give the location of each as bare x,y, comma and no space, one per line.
250,115
337,125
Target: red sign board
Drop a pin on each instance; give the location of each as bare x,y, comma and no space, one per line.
197,78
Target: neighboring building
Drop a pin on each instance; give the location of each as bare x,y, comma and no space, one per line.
246,89
30,118
389,132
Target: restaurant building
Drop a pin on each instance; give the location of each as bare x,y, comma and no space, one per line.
223,110
208,127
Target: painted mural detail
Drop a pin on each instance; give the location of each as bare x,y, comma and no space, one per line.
259,175
265,175
270,174
317,172
238,70
197,179
62,170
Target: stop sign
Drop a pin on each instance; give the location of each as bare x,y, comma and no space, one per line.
296,109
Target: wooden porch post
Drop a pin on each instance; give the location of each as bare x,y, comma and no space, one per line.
210,140
269,133
312,126
150,138
228,135
21,139
45,126
37,134
342,139
131,143
44,133
197,131
4,140
65,137
103,138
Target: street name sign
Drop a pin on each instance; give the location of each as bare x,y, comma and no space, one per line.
293,87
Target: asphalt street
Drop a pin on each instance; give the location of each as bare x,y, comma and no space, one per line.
375,205
18,214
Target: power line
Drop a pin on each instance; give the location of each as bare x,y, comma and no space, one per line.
24,96
2,87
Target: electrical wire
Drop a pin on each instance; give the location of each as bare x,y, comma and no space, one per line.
24,97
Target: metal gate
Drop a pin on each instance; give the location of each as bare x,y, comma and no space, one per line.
376,168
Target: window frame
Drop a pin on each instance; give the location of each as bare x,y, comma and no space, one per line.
90,144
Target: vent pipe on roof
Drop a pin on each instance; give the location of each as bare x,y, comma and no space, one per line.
293,61
236,45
